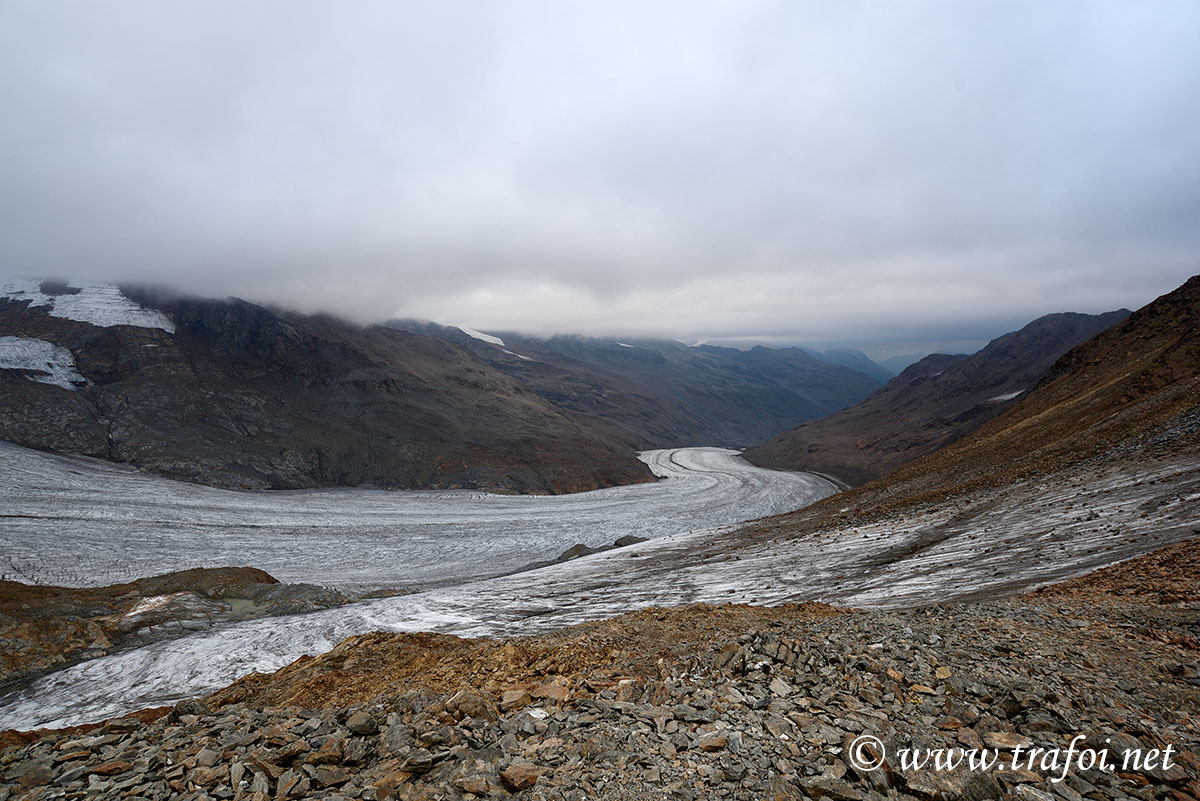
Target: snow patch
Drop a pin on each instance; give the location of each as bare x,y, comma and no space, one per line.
1006,396
96,303
623,345
519,356
471,332
26,353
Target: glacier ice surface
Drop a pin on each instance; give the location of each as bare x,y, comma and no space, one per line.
56,365
471,332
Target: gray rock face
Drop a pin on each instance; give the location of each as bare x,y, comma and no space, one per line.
235,395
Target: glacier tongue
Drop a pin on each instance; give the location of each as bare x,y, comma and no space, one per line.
80,522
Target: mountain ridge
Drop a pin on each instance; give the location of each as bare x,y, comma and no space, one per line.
1132,392
931,403
665,393
242,396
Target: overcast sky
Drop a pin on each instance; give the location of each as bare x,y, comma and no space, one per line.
893,175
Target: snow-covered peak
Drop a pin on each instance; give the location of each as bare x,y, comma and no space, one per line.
89,302
55,365
481,337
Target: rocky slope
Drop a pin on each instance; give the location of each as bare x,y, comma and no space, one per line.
791,702
665,393
1131,393
232,394
932,403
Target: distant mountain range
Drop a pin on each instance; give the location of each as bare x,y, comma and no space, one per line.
857,360
232,394
934,402
664,393
896,364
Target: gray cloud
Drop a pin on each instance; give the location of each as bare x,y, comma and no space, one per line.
851,173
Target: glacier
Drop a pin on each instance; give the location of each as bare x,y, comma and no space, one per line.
91,302
86,522
985,545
